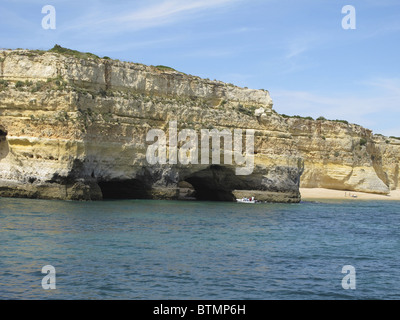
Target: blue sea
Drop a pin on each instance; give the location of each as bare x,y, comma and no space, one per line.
170,250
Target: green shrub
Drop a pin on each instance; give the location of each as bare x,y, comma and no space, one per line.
37,52
102,93
363,142
249,110
74,53
165,68
296,117
342,121
3,85
321,118
19,84
38,86
242,109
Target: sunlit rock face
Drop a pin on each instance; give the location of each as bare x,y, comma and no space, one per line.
343,156
77,129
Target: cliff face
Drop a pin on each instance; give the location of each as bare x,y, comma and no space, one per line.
346,156
76,129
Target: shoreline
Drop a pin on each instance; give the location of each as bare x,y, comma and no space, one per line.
330,194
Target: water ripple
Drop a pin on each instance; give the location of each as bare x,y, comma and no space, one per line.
192,250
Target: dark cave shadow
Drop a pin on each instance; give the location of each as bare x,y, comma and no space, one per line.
4,147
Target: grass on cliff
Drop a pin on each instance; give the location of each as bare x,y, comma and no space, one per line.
363,142
248,110
3,85
311,118
51,84
164,68
296,117
73,53
87,55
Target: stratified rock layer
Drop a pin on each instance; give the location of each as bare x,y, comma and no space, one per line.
76,129
345,156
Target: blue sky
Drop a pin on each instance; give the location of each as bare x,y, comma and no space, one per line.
296,49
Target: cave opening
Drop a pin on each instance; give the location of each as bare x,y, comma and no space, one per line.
123,189
215,183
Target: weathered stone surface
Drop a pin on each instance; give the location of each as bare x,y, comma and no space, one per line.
345,156
76,129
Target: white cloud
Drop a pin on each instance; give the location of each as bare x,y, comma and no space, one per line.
377,110
153,15
390,85
296,53
296,49
167,10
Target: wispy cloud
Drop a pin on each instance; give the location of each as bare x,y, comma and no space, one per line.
390,85
10,19
210,53
141,24
302,43
296,52
154,15
368,110
167,10
393,27
296,49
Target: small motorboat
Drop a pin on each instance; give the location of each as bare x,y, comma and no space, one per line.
247,200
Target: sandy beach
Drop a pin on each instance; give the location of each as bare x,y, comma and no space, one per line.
320,193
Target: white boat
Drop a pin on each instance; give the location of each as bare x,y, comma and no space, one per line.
246,200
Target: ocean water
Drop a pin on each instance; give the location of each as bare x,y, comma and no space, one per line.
171,250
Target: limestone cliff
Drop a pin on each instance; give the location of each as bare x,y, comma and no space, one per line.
343,156
75,127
